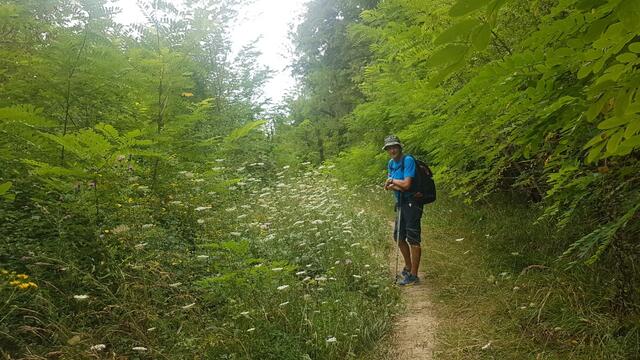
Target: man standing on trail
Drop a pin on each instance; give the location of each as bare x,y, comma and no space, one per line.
401,172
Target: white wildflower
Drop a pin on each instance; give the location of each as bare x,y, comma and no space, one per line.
175,284
235,233
283,287
460,239
277,269
301,272
81,297
147,226
98,347
139,348
244,313
486,346
357,276
202,256
252,329
283,304
219,160
200,221
202,208
331,339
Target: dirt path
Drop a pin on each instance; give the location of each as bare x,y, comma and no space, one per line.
414,329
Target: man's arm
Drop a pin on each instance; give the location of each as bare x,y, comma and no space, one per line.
400,185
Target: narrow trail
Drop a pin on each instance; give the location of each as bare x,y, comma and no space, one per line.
414,329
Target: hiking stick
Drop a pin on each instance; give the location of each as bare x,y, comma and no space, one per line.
399,218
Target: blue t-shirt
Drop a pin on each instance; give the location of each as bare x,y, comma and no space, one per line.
395,170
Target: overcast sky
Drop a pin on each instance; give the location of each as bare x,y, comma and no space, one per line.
269,19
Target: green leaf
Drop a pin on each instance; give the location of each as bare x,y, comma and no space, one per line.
621,103
481,37
463,7
595,140
635,47
243,131
612,144
594,153
461,30
584,71
627,58
4,187
108,130
451,53
629,145
632,128
595,108
612,122
628,11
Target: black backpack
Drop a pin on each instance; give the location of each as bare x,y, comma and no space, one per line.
423,187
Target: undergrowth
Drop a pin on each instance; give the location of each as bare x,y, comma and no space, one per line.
288,268
501,293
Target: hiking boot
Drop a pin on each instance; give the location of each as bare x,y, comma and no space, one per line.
405,272
410,279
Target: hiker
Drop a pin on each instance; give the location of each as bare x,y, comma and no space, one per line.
401,173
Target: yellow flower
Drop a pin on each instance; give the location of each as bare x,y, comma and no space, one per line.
32,284
14,283
23,276
130,200
23,286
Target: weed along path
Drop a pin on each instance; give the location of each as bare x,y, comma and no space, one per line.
414,328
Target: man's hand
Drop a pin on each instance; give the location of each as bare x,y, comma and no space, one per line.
388,183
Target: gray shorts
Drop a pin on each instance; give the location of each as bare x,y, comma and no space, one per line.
410,216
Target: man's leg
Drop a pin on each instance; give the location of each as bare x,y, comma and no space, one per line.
406,254
416,253
414,230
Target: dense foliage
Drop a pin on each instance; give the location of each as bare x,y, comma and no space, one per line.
143,214
152,206
534,97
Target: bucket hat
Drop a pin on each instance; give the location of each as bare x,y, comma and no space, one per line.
390,141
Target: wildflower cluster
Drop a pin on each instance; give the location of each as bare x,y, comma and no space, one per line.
304,254
18,281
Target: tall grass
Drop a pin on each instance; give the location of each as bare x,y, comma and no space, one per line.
500,292
288,268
